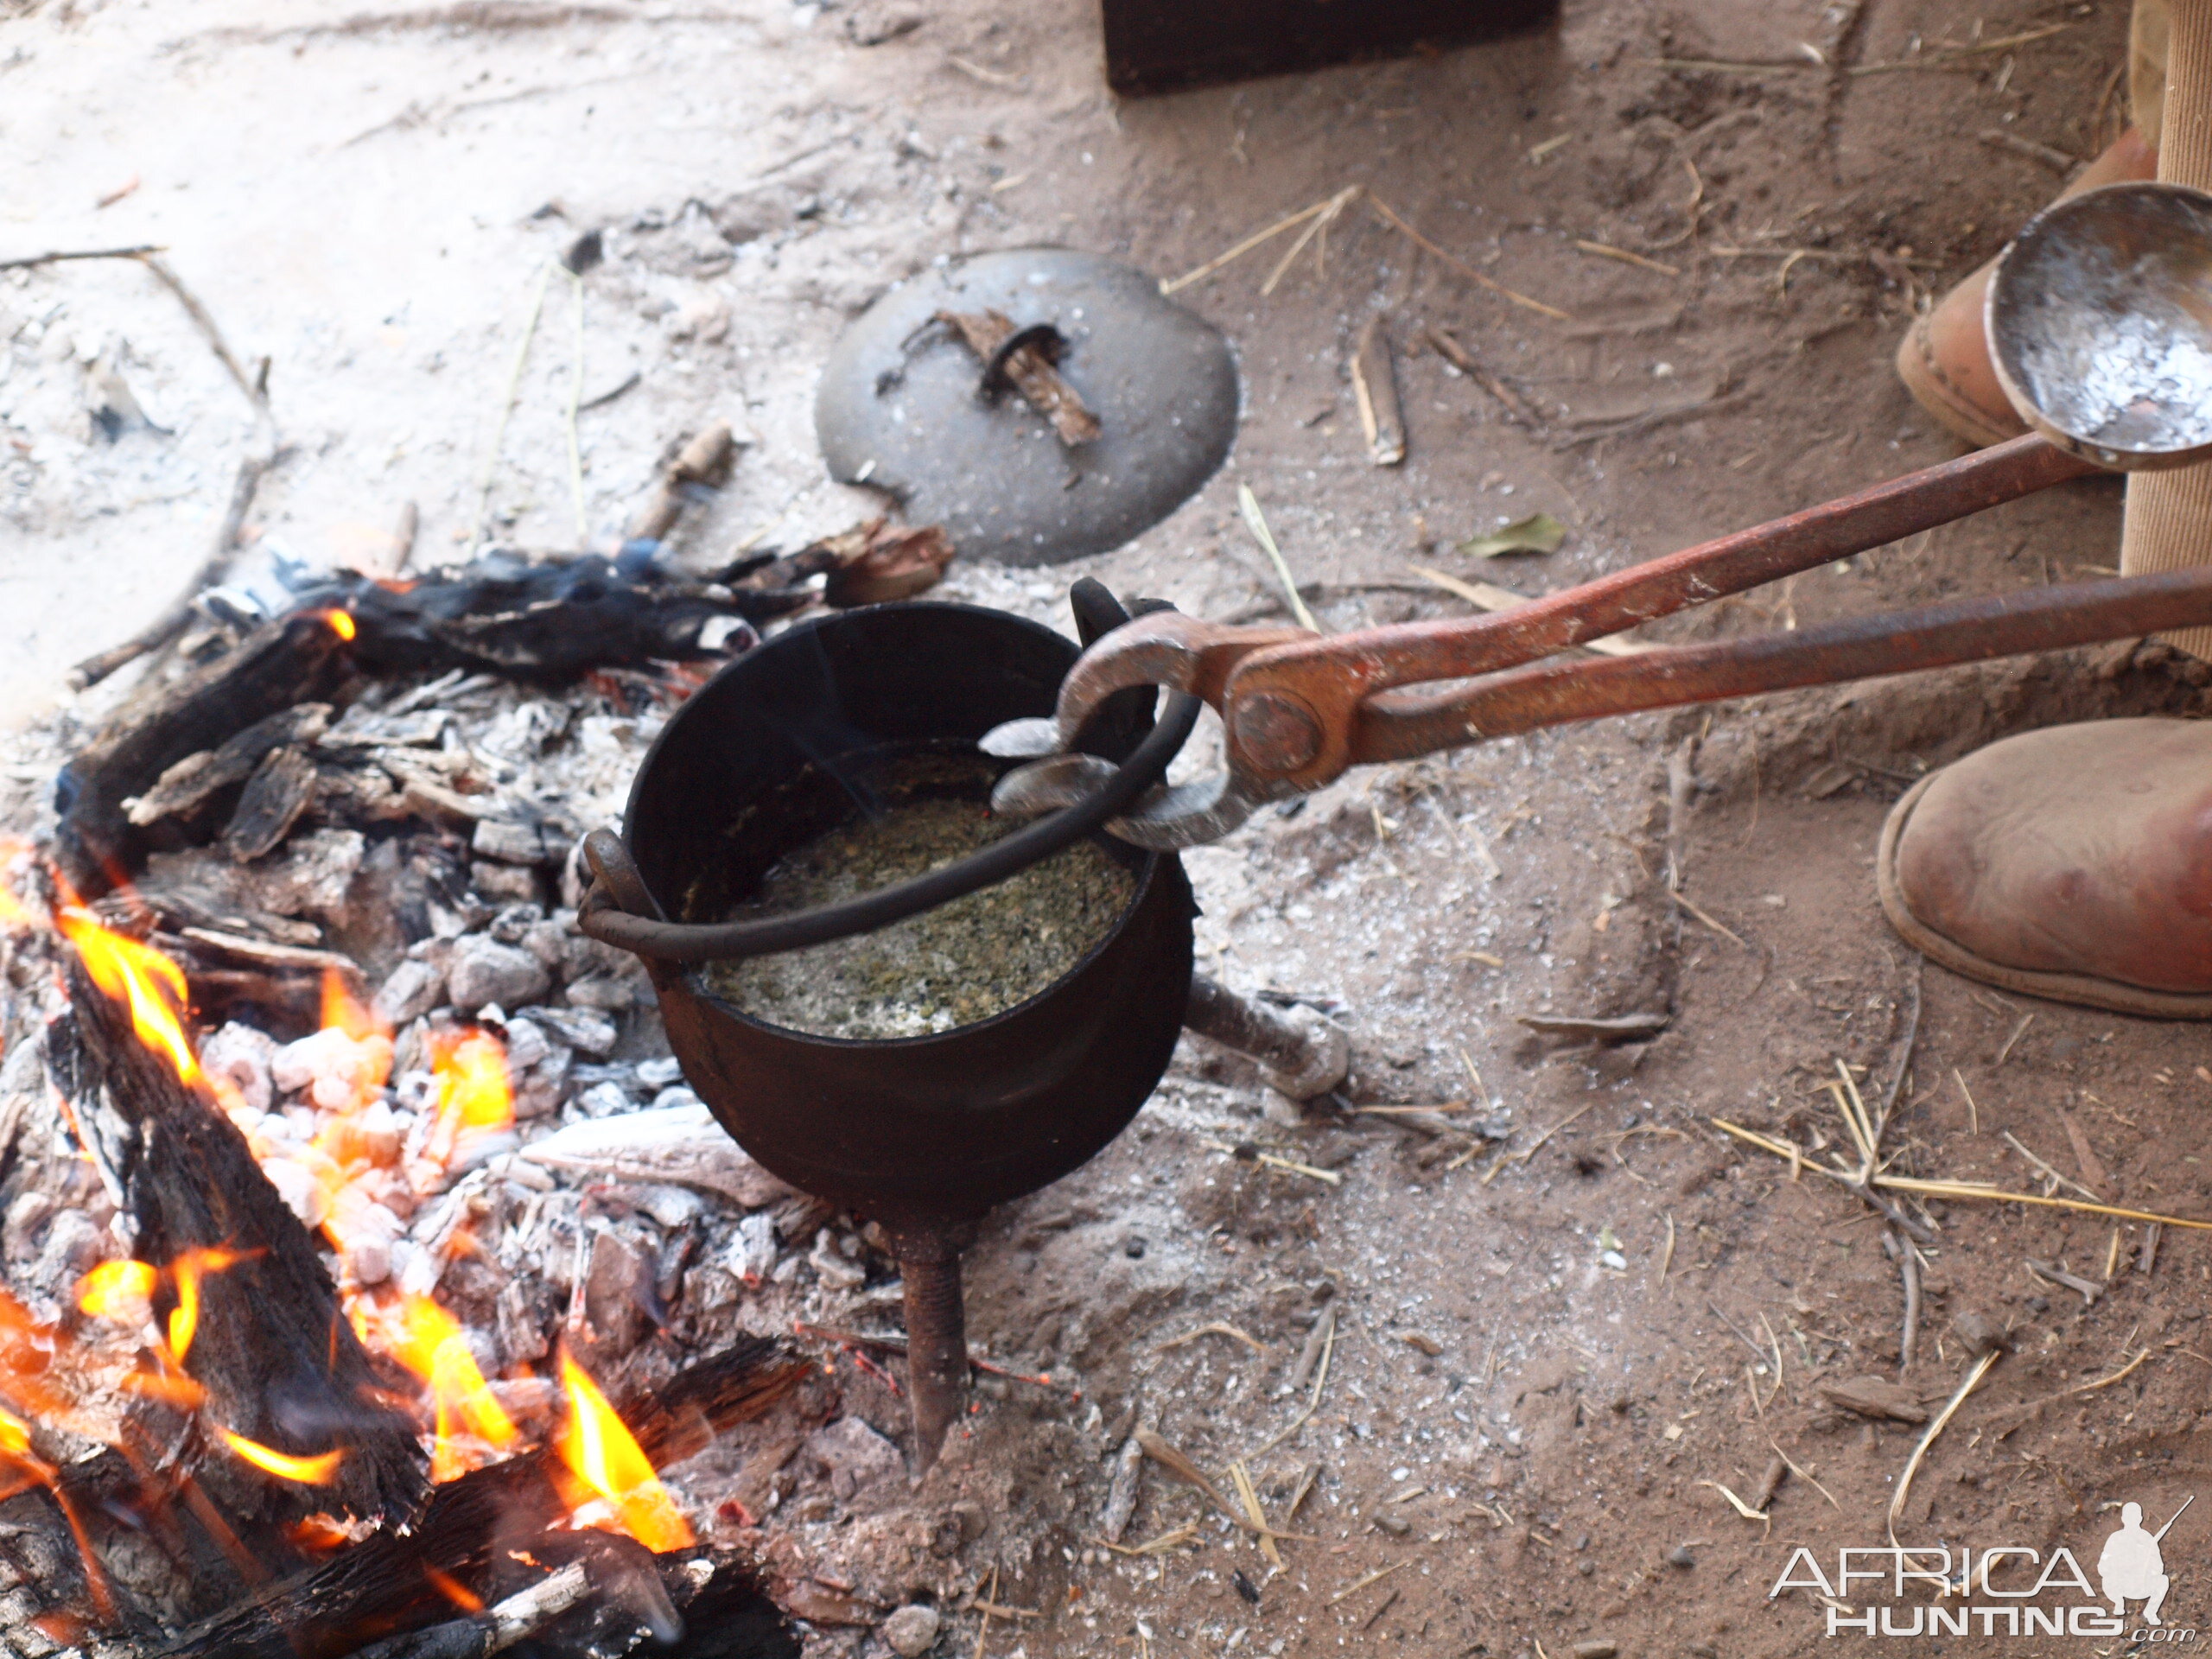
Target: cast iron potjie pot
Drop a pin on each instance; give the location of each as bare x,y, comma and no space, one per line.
921,1133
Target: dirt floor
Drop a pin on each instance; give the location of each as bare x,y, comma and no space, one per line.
1544,1369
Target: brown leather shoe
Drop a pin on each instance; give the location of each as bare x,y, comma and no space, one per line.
2073,863
1944,357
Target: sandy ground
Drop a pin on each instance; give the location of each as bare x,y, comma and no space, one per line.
1541,1377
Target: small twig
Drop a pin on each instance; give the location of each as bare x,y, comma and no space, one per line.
1606,250
57,256
2027,1409
1243,1480
2018,1032
1526,1152
1804,1477
1217,1328
177,617
1318,225
575,406
1974,1112
255,392
1972,1191
507,408
1912,1465
991,1601
1696,910
1742,1335
1667,1256
2013,1141
2056,160
1462,266
1171,285
1909,1270
2088,1289
1256,521
1360,1583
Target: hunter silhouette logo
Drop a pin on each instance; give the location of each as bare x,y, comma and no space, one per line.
1903,1590
2131,1567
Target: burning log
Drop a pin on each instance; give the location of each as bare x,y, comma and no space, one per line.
262,1333
390,1584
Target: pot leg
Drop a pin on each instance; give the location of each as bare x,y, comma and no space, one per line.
936,1344
1302,1054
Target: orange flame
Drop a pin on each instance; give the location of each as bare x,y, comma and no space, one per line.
318,1471
342,1009
471,1068
189,1268
606,1457
341,623
122,1291
431,1345
452,1590
153,985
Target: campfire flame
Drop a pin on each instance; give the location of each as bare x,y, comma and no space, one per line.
318,1471
473,1090
602,1453
139,974
434,1347
605,1476
341,624
187,1271
121,1290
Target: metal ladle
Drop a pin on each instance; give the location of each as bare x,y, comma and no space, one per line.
2099,324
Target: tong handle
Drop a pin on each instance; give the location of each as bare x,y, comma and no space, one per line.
1400,726
1292,711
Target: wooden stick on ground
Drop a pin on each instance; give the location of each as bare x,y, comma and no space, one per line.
177,617
57,256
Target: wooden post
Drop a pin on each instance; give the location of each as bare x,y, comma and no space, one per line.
2168,525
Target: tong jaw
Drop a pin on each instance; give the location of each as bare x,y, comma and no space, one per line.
1166,820
1163,648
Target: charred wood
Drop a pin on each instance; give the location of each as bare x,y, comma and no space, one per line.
280,1365
280,664
382,1587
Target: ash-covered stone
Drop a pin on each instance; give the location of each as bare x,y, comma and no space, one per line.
239,1056
912,1632
851,1457
485,971
413,989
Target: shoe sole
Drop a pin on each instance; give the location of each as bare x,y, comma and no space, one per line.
2085,990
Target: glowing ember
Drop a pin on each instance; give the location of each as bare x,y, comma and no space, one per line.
473,1093
149,981
121,1290
604,1455
341,623
432,1347
318,1471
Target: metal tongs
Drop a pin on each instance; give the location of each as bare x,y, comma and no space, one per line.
1298,708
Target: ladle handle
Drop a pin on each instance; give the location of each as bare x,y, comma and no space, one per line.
2168,525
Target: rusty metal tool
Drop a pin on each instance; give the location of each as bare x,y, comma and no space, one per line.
1298,709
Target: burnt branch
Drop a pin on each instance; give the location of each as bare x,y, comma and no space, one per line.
383,1587
272,1348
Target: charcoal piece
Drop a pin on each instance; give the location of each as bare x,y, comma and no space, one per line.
280,789
279,665
193,780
